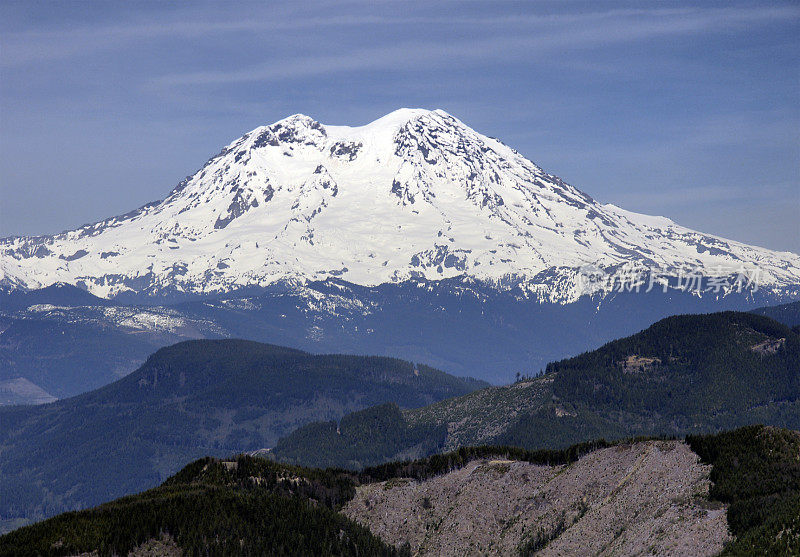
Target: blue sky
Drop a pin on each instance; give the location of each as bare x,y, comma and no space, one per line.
689,110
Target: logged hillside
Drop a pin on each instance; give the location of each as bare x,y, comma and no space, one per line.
684,374
648,496
739,497
188,400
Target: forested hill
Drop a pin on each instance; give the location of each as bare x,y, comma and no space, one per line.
788,314
704,365
188,400
242,506
653,492
684,374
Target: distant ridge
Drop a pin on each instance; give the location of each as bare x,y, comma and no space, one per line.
684,374
195,398
788,314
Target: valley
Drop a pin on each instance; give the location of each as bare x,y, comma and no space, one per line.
222,397
189,400
401,279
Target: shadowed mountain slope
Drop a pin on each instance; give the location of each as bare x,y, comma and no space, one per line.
188,400
684,374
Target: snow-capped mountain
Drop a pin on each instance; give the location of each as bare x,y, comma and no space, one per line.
413,195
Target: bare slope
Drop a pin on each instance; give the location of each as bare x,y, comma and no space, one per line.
646,497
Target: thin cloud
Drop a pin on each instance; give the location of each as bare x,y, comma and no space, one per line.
20,48
619,28
35,46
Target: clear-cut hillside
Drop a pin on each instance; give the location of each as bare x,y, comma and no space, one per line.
639,499
415,194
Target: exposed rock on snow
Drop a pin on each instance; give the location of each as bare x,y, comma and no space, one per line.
413,194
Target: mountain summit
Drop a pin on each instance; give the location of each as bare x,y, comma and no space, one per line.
416,194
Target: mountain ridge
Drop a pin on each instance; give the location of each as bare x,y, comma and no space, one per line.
194,398
684,374
66,347
634,496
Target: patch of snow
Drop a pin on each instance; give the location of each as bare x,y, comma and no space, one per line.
414,194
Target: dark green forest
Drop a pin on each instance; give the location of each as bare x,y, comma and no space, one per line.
254,506
438,464
196,398
376,434
687,365
756,471
246,506
683,375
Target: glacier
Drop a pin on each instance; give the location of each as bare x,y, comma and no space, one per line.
415,195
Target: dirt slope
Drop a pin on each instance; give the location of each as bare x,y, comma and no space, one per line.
642,498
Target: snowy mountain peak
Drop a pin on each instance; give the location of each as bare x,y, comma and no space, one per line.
414,194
